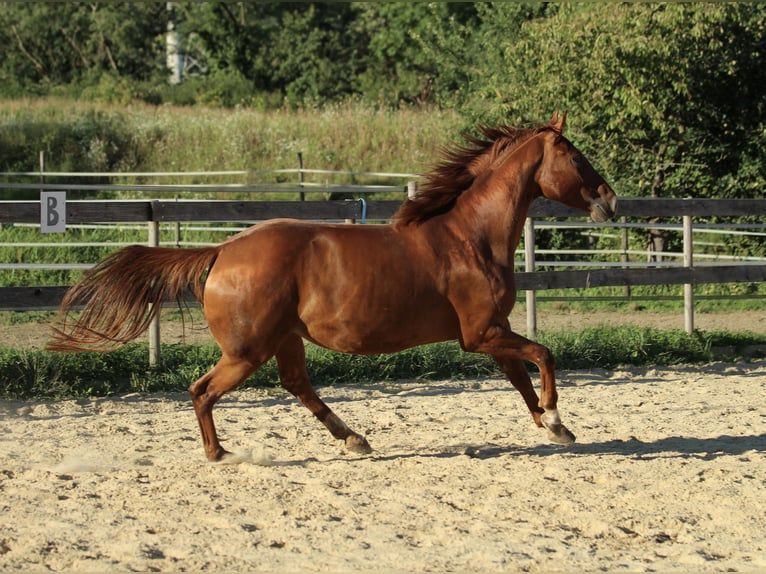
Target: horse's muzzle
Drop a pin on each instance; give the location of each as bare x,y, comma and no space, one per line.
603,207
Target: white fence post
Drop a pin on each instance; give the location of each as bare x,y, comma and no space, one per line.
529,265
688,287
154,327
300,176
625,257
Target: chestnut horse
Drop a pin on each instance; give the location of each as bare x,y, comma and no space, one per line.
443,270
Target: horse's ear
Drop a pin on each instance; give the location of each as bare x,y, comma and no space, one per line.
557,122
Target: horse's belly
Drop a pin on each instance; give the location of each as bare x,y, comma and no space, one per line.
387,331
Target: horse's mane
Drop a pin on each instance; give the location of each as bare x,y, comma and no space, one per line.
458,168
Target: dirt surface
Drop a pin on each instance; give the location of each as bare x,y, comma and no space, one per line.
668,474
35,335
733,321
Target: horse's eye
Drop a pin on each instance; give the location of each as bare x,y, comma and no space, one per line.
577,160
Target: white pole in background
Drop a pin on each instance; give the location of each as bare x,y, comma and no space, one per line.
154,327
529,265
688,287
173,49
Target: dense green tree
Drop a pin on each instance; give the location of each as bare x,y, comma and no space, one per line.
415,52
55,43
668,96
298,50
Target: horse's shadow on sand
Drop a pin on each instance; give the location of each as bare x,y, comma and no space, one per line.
669,447
687,447
677,447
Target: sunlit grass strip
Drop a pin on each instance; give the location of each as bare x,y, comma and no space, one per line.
45,375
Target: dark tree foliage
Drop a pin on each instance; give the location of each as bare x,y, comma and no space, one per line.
668,98
52,43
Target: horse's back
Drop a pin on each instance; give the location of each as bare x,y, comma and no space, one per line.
278,246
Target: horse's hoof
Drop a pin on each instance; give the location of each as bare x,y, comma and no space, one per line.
217,455
358,444
559,434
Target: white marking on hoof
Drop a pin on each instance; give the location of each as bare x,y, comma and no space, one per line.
551,418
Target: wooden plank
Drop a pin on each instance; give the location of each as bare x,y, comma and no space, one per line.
659,276
79,211
382,210
697,207
31,298
28,298
659,207
82,211
49,297
19,212
254,210
542,207
108,211
642,207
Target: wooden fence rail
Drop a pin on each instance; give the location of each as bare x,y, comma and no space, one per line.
106,211
155,212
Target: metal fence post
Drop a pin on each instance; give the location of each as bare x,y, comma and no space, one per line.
688,287
154,327
529,265
625,258
300,175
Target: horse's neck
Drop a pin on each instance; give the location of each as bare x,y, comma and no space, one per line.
505,233
494,209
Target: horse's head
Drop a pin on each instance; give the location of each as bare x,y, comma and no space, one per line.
565,175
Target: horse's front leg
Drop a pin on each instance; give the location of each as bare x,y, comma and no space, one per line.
509,350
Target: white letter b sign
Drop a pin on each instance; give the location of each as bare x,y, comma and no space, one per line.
52,211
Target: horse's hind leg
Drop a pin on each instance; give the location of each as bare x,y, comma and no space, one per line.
227,374
291,361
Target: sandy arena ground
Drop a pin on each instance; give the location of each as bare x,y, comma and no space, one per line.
668,474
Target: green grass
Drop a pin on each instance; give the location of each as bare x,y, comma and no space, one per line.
33,374
93,137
